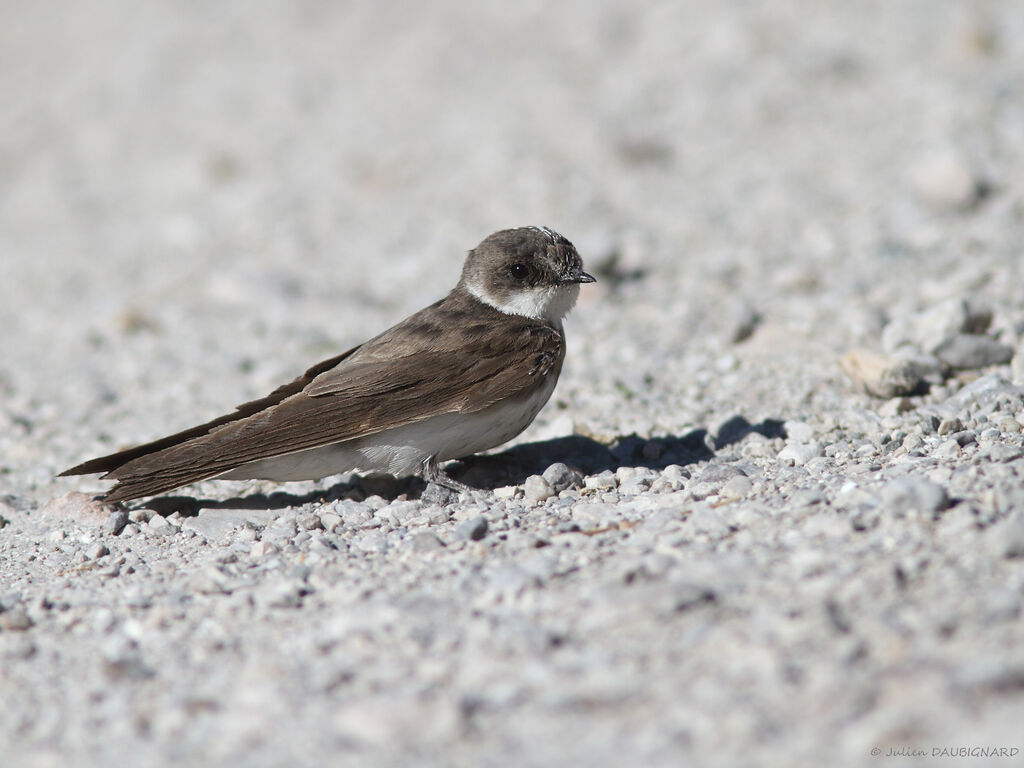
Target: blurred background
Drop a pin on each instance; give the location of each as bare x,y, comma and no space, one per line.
200,199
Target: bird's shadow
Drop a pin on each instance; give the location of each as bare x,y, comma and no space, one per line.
510,467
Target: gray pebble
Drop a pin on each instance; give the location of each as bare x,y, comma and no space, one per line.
880,375
945,179
968,351
602,482
912,494
116,522
594,513
309,521
560,477
705,519
372,541
15,620
472,530
798,454
262,549
437,515
536,489
949,426
97,550
330,520
159,526
425,541
1007,537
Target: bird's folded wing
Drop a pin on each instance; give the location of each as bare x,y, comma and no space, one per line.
361,395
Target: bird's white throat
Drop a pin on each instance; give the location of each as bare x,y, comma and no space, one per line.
546,302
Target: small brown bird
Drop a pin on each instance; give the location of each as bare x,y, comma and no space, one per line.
461,376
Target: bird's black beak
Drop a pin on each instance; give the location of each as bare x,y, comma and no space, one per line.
578,276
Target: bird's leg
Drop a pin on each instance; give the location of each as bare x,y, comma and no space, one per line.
440,487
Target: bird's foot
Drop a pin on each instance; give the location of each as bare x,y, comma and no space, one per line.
441,489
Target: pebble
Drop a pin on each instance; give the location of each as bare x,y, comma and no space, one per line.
561,477
262,549
309,521
909,495
950,426
116,522
602,482
705,519
425,541
159,525
372,541
594,513
736,488
881,375
437,515
330,520
15,619
945,180
537,489
798,454
97,550
1006,538
472,530
967,351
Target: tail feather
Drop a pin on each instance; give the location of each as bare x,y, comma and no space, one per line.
157,466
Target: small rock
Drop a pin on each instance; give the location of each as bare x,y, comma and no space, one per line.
798,454
472,530
741,320
706,519
97,550
737,488
561,477
718,473
537,489
435,493
159,525
946,180
425,541
881,375
949,426
371,542
263,549
309,521
437,515
906,495
594,513
1007,537
330,520
116,522
967,351
965,437
1017,366
602,482
15,620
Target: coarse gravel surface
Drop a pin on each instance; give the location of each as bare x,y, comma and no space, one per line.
774,512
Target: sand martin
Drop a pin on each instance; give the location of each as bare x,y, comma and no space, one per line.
464,375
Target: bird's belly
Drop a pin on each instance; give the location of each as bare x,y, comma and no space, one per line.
403,450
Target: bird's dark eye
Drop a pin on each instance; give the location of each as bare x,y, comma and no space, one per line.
519,271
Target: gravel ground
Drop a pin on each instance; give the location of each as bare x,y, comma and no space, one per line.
791,528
